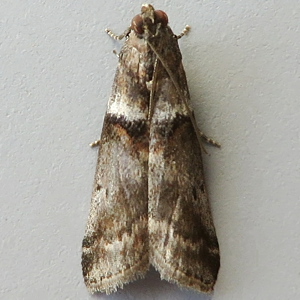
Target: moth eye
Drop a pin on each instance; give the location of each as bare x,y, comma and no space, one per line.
161,17
137,24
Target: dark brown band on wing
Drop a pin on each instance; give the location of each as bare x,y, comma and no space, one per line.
134,129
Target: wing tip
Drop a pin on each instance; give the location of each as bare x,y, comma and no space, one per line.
111,284
200,284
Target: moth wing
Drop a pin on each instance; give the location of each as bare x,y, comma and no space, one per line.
183,243
115,246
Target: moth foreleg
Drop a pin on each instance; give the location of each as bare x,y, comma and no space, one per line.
95,144
208,140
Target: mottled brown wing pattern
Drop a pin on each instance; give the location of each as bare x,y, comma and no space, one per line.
115,246
183,243
149,203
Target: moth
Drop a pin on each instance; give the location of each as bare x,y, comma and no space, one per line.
149,203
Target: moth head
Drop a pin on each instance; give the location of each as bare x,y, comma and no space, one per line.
149,21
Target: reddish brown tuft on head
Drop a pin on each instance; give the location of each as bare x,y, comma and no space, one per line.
147,17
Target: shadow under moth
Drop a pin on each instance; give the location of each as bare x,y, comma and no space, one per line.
149,203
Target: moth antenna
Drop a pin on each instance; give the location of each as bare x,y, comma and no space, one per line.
200,135
173,79
118,37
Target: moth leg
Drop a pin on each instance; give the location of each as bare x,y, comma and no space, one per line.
116,53
201,136
185,31
209,140
118,37
95,144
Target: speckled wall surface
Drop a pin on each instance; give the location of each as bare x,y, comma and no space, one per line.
56,70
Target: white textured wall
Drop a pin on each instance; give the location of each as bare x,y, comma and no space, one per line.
56,71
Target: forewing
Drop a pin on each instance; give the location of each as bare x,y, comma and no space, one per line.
183,242
115,246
